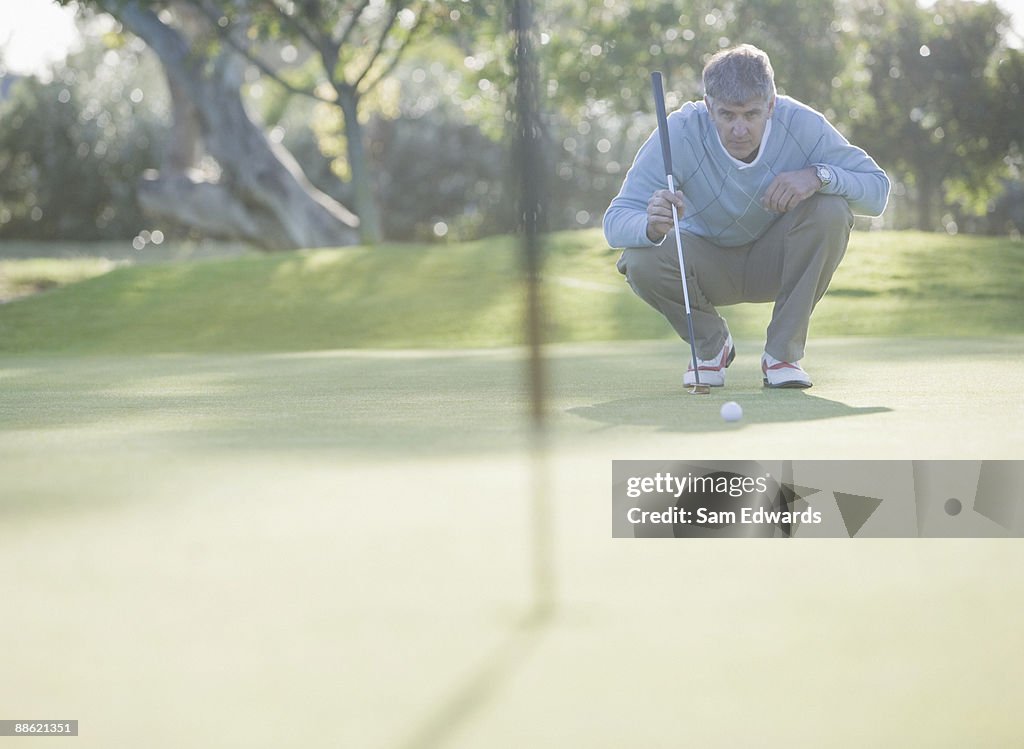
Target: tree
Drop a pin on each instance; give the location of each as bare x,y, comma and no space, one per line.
936,110
67,162
357,45
328,50
257,192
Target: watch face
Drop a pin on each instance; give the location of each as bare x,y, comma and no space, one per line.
824,175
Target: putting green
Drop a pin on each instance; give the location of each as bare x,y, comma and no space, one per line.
333,548
874,399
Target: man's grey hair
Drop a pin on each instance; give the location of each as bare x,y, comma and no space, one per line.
738,75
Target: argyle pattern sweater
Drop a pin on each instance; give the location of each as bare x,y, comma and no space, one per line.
721,194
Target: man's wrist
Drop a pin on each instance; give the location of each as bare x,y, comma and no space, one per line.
654,240
814,172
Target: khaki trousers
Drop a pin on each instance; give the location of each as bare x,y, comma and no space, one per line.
791,264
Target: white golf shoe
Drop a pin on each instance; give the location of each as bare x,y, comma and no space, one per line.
783,374
712,371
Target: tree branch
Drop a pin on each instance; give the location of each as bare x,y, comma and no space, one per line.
212,16
165,41
396,6
325,46
393,63
350,27
295,23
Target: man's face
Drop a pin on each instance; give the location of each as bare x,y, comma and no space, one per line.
740,126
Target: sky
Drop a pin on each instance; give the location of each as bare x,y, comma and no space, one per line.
35,33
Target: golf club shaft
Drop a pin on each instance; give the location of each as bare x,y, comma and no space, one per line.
686,293
666,154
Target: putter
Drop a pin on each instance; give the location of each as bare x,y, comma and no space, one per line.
666,155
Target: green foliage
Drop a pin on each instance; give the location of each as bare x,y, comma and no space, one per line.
947,124
448,178
434,147
71,148
936,112
835,55
441,156
471,294
333,51
605,53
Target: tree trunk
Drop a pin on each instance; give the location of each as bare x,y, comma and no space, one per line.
209,207
362,182
186,143
262,195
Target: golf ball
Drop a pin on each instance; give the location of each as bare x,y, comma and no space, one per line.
731,411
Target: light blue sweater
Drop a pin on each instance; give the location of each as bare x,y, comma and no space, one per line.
721,195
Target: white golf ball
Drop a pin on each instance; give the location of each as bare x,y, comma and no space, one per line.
731,411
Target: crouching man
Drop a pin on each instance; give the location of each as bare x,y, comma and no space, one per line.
767,192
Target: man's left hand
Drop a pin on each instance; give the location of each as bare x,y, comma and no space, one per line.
790,189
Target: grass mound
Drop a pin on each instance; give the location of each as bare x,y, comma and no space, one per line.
470,295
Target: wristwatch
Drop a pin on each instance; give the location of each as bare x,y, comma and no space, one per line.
824,174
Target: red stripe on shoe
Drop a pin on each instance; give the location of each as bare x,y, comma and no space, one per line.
722,359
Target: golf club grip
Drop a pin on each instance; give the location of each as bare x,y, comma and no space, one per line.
659,108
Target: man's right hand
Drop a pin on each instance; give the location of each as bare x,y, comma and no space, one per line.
659,213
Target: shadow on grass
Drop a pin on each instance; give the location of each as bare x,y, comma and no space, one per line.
381,404
481,687
678,412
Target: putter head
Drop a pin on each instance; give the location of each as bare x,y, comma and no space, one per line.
699,390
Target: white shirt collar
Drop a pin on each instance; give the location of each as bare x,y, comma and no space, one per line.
760,150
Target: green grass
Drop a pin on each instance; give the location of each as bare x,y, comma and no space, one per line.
469,295
208,512
914,283
873,398
19,278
